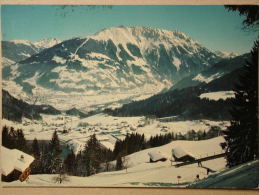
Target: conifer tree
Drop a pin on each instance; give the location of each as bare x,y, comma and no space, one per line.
119,164
6,139
13,138
106,156
35,150
78,165
117,148
21,141
242,135
54,145
52,159
70,162
251,13
92,155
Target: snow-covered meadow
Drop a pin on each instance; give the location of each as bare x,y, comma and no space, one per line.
219,95
142,173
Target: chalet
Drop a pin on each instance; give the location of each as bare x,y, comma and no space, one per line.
14,164
156,156
179,154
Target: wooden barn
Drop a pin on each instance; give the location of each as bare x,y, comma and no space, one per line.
181,155
156,156
15,164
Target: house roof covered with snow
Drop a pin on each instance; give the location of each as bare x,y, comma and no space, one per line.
13,159
155,156
179,152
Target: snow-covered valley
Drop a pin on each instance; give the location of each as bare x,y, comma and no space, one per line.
85,101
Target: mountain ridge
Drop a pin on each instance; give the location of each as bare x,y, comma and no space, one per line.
212,73
117,58
15,51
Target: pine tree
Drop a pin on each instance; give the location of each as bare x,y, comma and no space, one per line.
69,162
52,160
119,164
45,160
13,138
117,148
80,168
242,135
107,156
21,141
35,150
251,13
54,145
92,155
6,139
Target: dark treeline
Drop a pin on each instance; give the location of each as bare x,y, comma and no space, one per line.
135,142
185,103
160,140
132,143
14,139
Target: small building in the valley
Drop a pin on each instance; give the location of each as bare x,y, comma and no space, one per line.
155,156
14,164
179,154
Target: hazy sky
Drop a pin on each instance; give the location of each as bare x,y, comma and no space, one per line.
212,26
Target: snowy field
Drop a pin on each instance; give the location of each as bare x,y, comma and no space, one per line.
107,128
223,95
142,173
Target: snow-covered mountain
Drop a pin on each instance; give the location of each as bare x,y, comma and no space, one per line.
18,50
212,73
190,97
227,54
46,43
118,58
